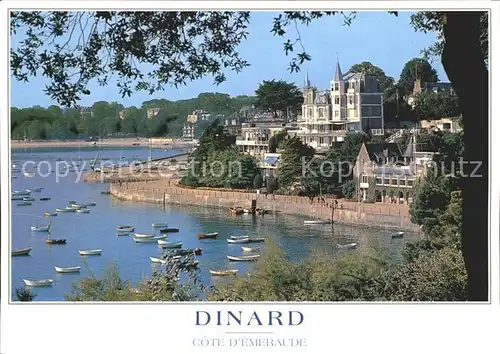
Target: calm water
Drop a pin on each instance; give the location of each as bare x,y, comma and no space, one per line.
98,228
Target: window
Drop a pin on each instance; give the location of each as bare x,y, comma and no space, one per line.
337,86
321,140
409,183
364,179
321,112
351,101
337,114
310,112
351,85
387,180
379,180
394,181
337,100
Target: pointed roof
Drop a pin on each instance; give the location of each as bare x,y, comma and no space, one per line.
338,73
307,83
409,149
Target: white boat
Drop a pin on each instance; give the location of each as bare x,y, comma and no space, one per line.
67,269
29,174
43,282
160,224
241,240
29,199
223,272
90,252
157,260
139,235
238,237
250,249
125,228
243,258
348,246
122,233
83,211
25,192
170,244
65,210
21,252
149,239
398,234
40,228
78,206
317,222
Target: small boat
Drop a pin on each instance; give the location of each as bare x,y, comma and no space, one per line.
138,235
157,260
24,204
398,234
241,240
83,211
70,202
209,235
243,258
159,224
89,204
29,174
223,272
65,210
256,239
238,237
317,222
25,192
78,206
122,233
55,241
40,228
48,213
29,199
250,249
90,252
29,190
170,244
125,228
169,229
21,252
44,199
106,192
348,246
149,239
67,270
16,197
43,282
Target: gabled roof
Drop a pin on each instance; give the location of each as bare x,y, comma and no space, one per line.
378,152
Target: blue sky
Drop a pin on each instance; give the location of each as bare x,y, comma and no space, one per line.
382,39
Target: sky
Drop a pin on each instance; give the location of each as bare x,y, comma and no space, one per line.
384,40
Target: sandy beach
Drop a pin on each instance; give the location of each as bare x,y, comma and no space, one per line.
124,142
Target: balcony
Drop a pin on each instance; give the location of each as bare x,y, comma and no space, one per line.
315,132
240,141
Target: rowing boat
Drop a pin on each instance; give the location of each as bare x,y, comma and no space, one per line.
170,244
125,228
67,269
42,282
169,229
139,235
149,239
90,252
250,249
48,213
159,224
241,240
21,252
55,241
238,237
157,260
122,233
223,272
24,204
317,222
248,258
398,234
209,235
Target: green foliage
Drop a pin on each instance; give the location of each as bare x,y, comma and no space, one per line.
294,154
257,181
431,105
275,141
425,72
279,97
349,189
25,295
271,184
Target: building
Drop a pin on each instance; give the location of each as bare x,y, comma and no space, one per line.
383,173
86,112
443,124
254,138
436,87
188,131
353,103
152,112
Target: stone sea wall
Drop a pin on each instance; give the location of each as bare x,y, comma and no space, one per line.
387,216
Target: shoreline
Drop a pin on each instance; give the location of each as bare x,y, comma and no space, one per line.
380,215
121,142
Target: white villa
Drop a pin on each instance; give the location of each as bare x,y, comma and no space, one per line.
354,102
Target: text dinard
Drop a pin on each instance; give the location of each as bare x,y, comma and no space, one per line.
239,318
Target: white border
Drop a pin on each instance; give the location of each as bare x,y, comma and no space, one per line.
137,328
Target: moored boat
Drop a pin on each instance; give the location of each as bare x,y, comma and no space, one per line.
29,174
24,204
25,192
139,235
256,239
398,234
55,241
157,260
28,199
48,213
16,197
169,229
21,252
317,222
248,258
127,228
209,235
250,249
42,282
89,204
44,199
122,233
83,211
170,244
78,206
239,240
159,224
90,252
40,228
238,237
149,239
222,272
67,269
65,210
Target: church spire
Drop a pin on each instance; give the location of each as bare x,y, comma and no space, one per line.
307,83
338,73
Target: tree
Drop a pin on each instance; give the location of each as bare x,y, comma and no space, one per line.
386,82
431,105
257,181
424,71
276,140
279,97
25,295
295,154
